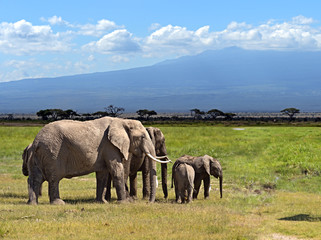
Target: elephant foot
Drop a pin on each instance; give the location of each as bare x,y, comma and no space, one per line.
123,201
32,202
57,201
101,201
133,198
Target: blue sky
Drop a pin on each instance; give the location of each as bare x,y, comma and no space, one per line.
56,38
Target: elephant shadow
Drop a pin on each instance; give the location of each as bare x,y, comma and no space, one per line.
12,195
9,195
73,201
302,217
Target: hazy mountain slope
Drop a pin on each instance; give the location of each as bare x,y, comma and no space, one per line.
231,80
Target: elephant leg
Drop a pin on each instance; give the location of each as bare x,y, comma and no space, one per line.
190,194
182,194
177,196
197,185
34,185
108,188
40,190
133,185
146,179
207,180
117,173
54,193
101,182
164,179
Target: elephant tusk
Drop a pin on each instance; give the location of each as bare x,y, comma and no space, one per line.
162,157
157,160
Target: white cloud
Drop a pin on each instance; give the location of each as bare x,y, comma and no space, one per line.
302,20
98,29
177,40
154,26
295,34
119,59
39,42
118,41
23,38
19,69
54,20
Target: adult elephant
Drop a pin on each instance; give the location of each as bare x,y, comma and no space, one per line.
158,140
204,166
67,148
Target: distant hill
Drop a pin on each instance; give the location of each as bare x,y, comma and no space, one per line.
231,79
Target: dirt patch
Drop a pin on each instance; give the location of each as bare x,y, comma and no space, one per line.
277,236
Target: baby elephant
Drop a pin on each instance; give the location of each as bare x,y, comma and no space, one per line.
204,166
183,176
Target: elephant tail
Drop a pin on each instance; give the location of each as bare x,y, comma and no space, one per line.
25,157
175,165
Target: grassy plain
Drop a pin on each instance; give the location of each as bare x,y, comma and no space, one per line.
272,190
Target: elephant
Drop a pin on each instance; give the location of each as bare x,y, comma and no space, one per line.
183,175
68,148
204,166
158,140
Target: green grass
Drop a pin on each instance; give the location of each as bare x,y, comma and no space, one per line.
272,189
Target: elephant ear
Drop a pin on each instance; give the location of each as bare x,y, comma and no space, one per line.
118,136
206,164
152,134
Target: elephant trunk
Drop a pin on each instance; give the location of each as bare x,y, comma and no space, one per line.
25,170
221,185
152,176
164,179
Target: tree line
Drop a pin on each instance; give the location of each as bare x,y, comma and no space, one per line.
114,111
145,115
111,111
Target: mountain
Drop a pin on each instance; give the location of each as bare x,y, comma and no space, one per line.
230,79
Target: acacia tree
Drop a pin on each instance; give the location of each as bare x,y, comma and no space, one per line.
229,116
70,113
56,113
196,113
145,113
214,113
114,111
290,112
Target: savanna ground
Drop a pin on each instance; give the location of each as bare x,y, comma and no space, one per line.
272,190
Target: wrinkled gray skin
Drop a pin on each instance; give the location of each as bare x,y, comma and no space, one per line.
183,176
204,166
25,155
66,149
158,140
